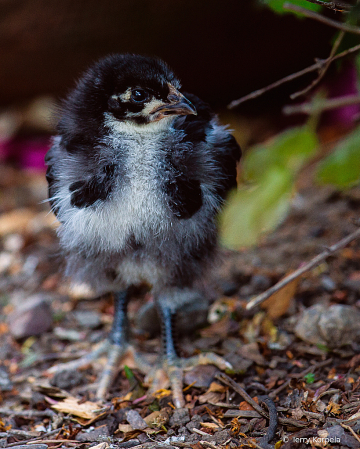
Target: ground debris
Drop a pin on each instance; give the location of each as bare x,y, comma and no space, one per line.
313,381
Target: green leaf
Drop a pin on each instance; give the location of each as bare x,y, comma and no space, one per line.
252,211
342,167
128,373
272,168
289,149
309,378
277,5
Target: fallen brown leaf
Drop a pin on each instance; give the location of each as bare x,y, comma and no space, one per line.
278,303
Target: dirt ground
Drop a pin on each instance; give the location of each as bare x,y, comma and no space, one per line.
296,376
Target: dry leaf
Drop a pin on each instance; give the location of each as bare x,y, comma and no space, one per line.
279,302
333,408
245,406
125,428
158,418
209,425
217,388
86,410
211,397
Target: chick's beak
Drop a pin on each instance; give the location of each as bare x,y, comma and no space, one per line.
177,104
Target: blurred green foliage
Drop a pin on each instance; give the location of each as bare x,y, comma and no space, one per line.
277,5
269,171
342,167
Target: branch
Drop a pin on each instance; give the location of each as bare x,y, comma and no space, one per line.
335,6
323,69
320,106
303,269
318,65
322,19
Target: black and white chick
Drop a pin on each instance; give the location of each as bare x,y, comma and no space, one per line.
137,174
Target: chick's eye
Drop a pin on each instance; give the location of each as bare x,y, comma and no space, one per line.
139,95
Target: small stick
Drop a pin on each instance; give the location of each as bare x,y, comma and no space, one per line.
308,266
273,422
28,413
236,387
36,439
318,65
320,18
323,69
351,431
326,105
335,6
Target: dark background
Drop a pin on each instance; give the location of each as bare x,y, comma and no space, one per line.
221,50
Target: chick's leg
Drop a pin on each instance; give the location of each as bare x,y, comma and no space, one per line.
172,364
114,347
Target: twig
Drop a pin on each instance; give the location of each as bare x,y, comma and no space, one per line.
320,106
36,439
56,441
273,422
351,431
303,269
323,69
318,65
335,6
199,432
236,387
28,413
320,18
207,444
311,368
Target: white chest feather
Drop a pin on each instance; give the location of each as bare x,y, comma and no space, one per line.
136,208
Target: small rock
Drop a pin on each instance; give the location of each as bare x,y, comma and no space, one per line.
194,423
338,433
191,316
129,443
260,282
202,375
94,435
67,379
333,326
111,423
135,420
88,319
32,317
183,431
5,382
221,436
328,283
180,417
174,439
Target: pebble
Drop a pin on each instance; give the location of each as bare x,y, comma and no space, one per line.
66,379
94,435
87,318
33,316
135,420
328,283
180,417
260,282
5,382
191,316
334,326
